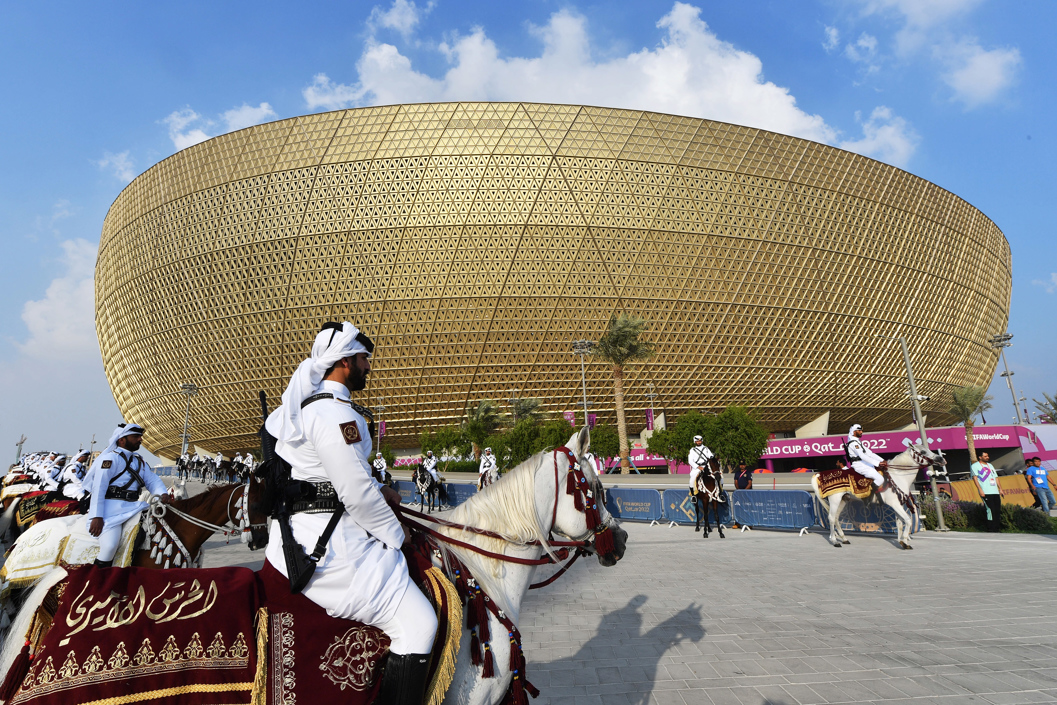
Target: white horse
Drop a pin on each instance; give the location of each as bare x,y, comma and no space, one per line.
523,508
903,470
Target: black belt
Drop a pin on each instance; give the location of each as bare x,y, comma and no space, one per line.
326,500
124,495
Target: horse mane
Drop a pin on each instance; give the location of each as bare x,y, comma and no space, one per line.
192,503
508,508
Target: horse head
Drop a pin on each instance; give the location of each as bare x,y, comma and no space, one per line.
574,522
924,456
262,495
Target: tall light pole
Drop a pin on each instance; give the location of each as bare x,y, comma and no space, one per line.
18,447
583,348
1024,399
190,389
1000,342
378,429
651,395
915,398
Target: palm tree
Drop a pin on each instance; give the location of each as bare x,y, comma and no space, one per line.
621,344
480,423
1047,409
966,404
526,409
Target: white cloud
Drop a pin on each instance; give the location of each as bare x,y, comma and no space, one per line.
832,39
60,210
179,121
691,72
863,50
403,16
246,116
62,324
1049,286
119,164
886,137
978,75
919,17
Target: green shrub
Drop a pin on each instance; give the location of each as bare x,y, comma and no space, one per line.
459,466
1025,519
954,516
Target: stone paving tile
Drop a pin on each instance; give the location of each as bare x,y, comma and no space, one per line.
770,618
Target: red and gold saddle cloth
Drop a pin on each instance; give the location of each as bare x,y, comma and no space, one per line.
844,480
59,508
133,635
30,504
121,636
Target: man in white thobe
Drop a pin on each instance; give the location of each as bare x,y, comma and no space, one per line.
363,574
863,460
429,464
115,480
487,471
381,468
699,458
73,475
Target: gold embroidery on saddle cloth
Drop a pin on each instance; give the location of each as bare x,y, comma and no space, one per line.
347,661
850,481
283,679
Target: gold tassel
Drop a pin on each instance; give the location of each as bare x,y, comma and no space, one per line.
438,584
259,694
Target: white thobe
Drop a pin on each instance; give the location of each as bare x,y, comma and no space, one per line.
429,464
114,512
864,461
363,575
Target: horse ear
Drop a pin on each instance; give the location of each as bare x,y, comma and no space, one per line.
583,438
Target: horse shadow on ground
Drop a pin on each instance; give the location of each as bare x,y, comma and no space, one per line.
620,657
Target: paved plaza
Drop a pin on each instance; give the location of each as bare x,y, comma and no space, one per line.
778,619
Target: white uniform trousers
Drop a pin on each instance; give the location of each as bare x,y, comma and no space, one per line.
109,540
867,471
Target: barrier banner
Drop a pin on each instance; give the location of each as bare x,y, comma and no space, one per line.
679,508
966,491
868,518
1015,490
774,509
406,488
634,504
459,492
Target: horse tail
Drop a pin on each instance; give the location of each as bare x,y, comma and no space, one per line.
814,486
9,515
19,629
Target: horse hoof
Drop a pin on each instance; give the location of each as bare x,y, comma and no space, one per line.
721,535
697,528
845,541
836,545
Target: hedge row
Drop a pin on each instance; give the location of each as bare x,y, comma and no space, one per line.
972,516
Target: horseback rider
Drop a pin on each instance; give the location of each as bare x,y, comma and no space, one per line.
429,464
381,468
73,475
487,469
699,458
115,480
363,575
54,474
863,460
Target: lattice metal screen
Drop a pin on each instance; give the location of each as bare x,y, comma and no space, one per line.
475,241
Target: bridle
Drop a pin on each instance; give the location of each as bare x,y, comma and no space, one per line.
585,499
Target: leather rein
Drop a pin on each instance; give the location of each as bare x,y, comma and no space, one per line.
562,552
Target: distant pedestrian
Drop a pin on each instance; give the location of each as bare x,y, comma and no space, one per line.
743,477
986,478
1039,484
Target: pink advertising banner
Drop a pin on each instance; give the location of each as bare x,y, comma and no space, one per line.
946,438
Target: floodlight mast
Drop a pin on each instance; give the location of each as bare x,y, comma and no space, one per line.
582,348
1000,342
190,389
915,399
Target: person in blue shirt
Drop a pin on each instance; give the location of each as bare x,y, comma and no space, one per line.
986,478
1037,480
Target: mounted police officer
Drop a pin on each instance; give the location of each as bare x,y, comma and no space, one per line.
429,464
363,574
381,468
488,470
72,476
863,460
699,458
115,480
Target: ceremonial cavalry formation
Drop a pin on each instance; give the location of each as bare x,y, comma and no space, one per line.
359,598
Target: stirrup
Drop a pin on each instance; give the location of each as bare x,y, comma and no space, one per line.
103,564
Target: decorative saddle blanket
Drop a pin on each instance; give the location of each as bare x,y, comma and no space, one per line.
60,541
58,508
208,637
30,505
18,479
833,481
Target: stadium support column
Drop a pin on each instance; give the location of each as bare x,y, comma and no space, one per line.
190,389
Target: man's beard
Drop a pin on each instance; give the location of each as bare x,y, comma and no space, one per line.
133,445
357,380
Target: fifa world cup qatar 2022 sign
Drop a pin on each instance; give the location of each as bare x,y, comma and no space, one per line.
949,438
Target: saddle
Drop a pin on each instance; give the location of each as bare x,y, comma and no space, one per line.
842,480
213,636
31,504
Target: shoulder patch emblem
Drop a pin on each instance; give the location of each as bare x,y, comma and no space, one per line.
107,463
350,432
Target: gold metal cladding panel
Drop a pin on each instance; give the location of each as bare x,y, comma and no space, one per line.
474,241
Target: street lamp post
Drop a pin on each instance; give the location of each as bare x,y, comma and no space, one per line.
915,398
190,389
18,447
513,404
583,348
651,395
1000,342
378,429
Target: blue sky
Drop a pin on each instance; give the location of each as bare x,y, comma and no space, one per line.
959,92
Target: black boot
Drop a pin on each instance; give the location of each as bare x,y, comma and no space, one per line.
404,680
103,564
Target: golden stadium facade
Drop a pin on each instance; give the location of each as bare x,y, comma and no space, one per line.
475,241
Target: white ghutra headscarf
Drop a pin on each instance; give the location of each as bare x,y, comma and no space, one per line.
332,344
122,430
851,431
